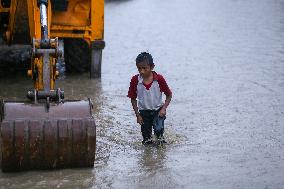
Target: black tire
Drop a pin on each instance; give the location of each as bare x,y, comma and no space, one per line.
6,3
4,20
77,55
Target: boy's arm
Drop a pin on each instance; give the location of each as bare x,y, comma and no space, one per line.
163,111
167,91
132,94
135,108
167,101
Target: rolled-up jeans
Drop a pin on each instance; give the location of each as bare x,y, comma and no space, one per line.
152,120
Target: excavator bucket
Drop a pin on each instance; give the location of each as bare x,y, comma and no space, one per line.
64,136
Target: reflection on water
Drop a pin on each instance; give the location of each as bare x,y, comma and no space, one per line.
224,62
153,157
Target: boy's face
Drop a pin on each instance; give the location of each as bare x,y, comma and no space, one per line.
144,69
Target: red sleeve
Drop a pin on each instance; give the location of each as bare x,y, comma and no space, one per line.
132,92
164,86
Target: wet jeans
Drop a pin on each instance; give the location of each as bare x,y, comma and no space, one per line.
152,120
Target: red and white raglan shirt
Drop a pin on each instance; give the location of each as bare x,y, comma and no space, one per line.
149,96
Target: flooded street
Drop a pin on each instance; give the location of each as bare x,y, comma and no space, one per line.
225,125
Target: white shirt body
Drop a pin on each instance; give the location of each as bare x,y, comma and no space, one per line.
149,99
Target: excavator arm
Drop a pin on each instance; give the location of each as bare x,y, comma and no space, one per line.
47,132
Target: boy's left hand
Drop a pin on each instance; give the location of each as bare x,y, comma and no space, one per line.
162,112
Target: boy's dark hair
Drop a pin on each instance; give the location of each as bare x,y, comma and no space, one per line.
145,57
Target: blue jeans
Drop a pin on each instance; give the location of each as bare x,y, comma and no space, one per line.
152,120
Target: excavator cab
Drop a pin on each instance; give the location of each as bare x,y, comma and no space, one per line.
49,132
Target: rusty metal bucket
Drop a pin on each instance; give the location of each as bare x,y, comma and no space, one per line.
31,138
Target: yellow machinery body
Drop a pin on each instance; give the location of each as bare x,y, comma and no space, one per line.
79,22
83,19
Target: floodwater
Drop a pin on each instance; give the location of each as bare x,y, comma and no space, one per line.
225,126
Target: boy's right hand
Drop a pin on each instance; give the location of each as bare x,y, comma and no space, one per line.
139,119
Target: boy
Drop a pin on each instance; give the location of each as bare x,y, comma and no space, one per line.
148,86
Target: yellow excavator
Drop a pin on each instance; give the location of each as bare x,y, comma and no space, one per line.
48,132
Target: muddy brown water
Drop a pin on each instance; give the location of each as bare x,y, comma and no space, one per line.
225,126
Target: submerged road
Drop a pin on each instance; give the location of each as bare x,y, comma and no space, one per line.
225,126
